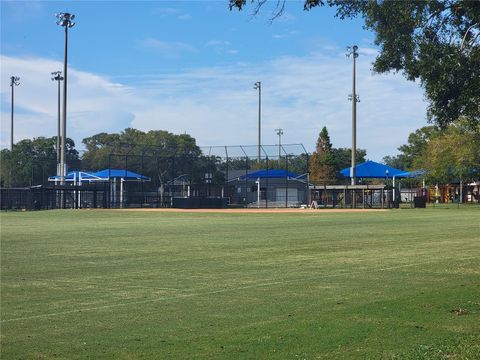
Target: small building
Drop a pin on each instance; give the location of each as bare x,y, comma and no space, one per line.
267,188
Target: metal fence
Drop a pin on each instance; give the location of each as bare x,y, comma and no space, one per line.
355,196
217,176
56,197
221,177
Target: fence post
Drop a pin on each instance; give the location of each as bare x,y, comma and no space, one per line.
246,182
286,181
266,184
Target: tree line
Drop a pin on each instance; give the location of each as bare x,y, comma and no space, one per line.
158,154
448,155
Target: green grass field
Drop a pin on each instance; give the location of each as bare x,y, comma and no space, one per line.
402,284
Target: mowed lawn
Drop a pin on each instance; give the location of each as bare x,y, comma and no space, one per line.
400,284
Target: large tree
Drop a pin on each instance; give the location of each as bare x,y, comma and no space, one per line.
103,150
322,162
448,155
158,154
452,155
432,41
326,161
31,162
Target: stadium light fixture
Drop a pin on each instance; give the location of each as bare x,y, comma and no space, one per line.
353,52
64,20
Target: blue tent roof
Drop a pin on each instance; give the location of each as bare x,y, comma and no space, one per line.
372,169
76,175
270,174
118,173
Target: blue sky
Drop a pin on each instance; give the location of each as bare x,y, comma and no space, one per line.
189,66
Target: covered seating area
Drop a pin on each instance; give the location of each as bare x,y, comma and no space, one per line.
384,195
79,184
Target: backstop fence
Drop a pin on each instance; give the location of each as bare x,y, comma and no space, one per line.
221,176
135,176
145,176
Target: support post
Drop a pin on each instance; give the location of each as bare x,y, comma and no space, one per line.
286,181
258,192
266,185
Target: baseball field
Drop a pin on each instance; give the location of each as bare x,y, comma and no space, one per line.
307,284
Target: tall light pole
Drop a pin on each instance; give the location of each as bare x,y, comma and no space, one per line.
279,133
352,51
14,81
57,76
258,86
65,20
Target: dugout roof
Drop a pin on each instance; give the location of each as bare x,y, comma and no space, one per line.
102,175
78,176
120,173
374,170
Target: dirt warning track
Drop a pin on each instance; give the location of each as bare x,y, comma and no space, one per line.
253,210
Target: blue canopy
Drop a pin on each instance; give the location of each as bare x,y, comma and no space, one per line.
77,176
118,173
372,169
270,174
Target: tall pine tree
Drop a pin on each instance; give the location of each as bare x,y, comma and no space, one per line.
322,161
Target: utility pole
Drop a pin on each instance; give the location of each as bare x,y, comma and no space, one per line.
352,51
57,76
14,81
258,86
65,20
279,133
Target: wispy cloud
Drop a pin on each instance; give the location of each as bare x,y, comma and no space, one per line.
167,48
218,106
184,17
171,12
166,11
221,47
285,34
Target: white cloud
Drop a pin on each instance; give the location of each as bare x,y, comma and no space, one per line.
285,34
218,106
94,103
165,11
171,12
301,95
167,48
221,47
184,17
214,43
